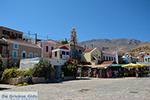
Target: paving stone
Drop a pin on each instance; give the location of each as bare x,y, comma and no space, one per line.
90,89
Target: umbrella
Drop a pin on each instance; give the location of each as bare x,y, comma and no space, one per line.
131,65
142,65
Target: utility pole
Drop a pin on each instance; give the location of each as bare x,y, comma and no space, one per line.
29,33
47,37
74,47
33,34
35,38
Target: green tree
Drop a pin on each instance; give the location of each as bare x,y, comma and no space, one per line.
64,42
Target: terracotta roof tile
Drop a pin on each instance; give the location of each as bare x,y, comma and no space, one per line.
88,50
62,47
108,62
22,42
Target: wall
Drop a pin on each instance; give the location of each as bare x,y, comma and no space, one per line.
10,30
21,48
49,53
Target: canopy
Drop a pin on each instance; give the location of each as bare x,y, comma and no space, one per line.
115,65
131,65
142,65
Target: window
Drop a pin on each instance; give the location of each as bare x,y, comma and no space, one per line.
16,36
35,55
72,51
55,53
15,46
8,33
30,55
77,53
109,58
4,32
104,58
20,36
12,35
52,48
15,53
67,53
24,54
46,48
99,57
63,52
146,59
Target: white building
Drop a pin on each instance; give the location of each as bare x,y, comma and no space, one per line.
110,56
61,52
147,59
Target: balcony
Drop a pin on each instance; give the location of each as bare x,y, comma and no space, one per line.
65,56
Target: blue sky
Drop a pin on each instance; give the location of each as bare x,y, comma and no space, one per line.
92,19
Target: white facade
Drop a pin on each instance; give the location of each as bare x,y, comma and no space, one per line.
110,56
29,63
147,59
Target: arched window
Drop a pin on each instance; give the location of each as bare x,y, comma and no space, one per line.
24,54
106,58
30,55
35,55
52,48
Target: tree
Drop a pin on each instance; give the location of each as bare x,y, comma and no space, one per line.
64,42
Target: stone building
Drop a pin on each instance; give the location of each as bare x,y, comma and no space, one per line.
75,49
47,46
61,52
11,33
19,50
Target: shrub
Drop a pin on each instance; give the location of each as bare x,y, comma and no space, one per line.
10,73
42,69
1,64
70,67
28,72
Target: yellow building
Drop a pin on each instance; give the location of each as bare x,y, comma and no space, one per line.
92,55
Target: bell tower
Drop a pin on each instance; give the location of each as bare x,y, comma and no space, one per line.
73,36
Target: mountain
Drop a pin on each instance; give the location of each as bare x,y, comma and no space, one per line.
120,45
145,50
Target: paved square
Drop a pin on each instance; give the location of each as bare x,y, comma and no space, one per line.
90,89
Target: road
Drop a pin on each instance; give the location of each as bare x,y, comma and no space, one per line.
90,89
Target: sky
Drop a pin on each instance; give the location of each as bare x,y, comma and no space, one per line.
92,19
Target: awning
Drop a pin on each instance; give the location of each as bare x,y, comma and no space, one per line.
96,57
96,66
103,66
116,65
142,65
131,65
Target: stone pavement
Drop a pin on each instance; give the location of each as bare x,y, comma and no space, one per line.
90,89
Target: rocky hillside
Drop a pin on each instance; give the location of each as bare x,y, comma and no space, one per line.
145,50
120,45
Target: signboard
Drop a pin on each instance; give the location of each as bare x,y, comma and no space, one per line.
79,70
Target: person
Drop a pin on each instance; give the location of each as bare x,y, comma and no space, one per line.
137,73
110,73
62,75
89,73
107,73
